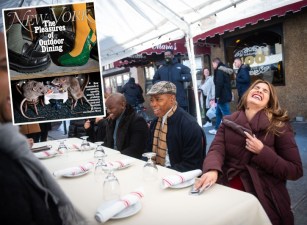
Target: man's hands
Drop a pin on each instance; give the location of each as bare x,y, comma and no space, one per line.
87,124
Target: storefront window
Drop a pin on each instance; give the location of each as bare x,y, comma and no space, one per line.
126,77
262,51
149,73
115,83
199,67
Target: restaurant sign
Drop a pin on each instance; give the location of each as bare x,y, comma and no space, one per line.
260,58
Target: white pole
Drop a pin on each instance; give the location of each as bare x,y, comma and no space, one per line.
190,49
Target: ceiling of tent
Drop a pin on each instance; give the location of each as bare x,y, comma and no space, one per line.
126,27
130,26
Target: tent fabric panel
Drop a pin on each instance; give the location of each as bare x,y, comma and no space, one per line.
266,16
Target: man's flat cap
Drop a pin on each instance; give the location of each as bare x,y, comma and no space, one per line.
162,87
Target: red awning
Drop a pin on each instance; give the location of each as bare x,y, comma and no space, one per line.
178,47
279,12
155,53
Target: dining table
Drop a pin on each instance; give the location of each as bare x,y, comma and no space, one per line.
55,93
218,205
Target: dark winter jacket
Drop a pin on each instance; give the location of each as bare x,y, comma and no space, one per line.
76,129
132,134
176,73
185,139
243,79
222,83
132,92
263,175
21,201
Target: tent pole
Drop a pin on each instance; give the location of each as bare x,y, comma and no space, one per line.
190,49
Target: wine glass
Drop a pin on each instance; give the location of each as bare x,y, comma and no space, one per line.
101,164
111,187
99,151
62,147
150,170
85,145
99,171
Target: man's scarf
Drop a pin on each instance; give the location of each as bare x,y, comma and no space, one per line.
159,145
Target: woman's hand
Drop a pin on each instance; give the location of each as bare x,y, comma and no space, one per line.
206,180
253,144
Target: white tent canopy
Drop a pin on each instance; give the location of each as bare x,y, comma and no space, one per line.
130,26
126,27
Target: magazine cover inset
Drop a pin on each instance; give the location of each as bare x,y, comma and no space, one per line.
53,63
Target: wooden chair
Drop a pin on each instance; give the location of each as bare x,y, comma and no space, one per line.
27,102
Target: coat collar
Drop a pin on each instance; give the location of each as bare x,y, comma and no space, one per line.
260,122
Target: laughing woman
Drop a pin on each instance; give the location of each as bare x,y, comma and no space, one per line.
255,151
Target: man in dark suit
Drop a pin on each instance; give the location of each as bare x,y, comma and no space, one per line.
126,131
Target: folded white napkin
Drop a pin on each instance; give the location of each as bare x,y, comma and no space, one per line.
74,170
103,214
175,179
119,164
45,154
74,147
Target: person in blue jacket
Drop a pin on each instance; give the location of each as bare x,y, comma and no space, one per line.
177,73
133,93
243,80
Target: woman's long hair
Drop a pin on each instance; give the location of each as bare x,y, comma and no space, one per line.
276,115
203,77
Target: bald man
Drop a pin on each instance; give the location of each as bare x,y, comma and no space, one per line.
126,131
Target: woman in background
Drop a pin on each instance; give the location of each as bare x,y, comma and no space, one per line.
208,93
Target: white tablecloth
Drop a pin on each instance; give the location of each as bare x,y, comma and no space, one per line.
55,95
217,206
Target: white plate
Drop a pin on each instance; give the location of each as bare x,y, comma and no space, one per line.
47,157
124,167
130,211
119,168
76,175
185,184
91,148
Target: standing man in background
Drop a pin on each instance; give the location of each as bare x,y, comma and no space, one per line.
243,80
223,93
177,73
133,93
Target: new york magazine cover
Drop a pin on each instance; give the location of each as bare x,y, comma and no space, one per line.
53,63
